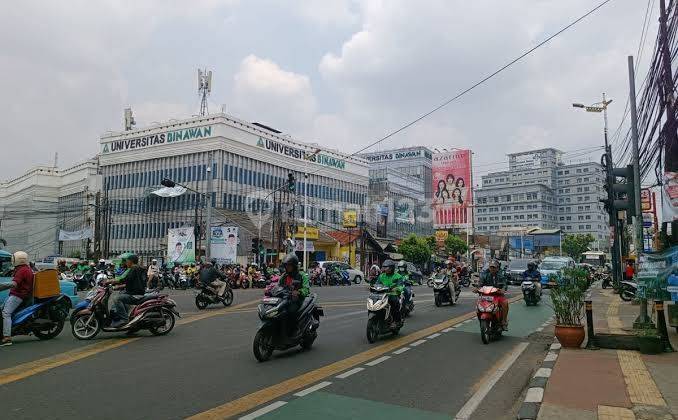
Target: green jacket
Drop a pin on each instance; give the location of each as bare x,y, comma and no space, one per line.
394,281
404,278
122,276
301,284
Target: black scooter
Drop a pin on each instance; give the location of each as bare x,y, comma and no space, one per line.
530,294
206,296
441,291
628,290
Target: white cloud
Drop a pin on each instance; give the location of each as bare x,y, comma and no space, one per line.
327,12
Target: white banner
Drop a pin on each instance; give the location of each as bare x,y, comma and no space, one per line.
181,245
76,235
299,246
169,192
224,246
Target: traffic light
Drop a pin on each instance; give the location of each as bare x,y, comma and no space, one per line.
623,191
255,246
291,182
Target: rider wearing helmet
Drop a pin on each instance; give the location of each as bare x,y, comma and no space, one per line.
492,277
391,279
211,277
297,284
102,265
153,273
133,280
452,273
405,280
532,274
21,289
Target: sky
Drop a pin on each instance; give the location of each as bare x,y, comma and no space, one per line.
341,73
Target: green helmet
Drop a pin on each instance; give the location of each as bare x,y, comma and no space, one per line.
129,256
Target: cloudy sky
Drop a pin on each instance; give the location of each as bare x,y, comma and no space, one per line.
342,73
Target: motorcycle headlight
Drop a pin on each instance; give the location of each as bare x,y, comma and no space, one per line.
272,313
380,304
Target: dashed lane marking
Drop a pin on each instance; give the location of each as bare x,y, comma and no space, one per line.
403,350
432,336
260,412
418,342
377,361
313,388
350,372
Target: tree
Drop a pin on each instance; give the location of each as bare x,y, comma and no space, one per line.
431,241
576,244
454,245
415,249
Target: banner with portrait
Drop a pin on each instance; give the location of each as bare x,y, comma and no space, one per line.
224,247
181,245
452,189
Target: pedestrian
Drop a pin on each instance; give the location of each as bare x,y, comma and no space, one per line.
630,271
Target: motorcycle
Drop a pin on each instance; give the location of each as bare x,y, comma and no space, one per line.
379,317
272,311
207,296
441,290
607,280
488,312
80,281
44,319
259,281
628,290
316,278
151,311
408,304
101,277
181,281
530,295
465,279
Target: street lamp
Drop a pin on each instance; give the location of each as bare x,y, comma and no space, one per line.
597,107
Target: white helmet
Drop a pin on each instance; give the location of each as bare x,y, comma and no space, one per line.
19,258
102,260
154,260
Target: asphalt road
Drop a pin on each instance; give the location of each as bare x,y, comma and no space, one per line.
205,367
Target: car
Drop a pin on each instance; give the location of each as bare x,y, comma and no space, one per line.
515,270
354,275
68,288
553,266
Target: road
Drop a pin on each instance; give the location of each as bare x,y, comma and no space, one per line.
436,368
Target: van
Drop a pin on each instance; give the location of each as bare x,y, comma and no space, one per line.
553,265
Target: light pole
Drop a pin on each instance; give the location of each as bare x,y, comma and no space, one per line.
305,219
597,107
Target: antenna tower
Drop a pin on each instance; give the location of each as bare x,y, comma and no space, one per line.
129,119
204,89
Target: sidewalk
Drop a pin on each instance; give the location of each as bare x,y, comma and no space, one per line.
612,384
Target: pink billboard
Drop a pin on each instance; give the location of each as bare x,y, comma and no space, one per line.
452,189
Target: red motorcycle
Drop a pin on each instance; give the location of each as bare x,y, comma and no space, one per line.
153,312
489,313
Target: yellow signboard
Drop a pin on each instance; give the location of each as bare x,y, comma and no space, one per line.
441,235
349,218
312,233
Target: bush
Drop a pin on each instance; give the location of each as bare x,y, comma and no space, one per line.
567,297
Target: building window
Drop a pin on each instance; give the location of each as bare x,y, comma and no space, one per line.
588,227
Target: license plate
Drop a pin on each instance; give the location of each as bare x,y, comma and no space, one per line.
487,298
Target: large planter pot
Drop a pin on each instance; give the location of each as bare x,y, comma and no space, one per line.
570,336
650,345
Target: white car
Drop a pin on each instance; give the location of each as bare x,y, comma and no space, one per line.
354,275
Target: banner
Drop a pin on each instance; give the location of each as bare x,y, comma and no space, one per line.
403,211
224,246
655,272
349,219
452,192
181,245
646,200
76,235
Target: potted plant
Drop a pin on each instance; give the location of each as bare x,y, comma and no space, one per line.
567,298
649,341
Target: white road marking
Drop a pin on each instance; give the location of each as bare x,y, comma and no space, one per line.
477,398
540,329
555,346
401,351
534,395
260,412
550,357
377,361
446,330
433,336
416,343
543,373
349,373
313,388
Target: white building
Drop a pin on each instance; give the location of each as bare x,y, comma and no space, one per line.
37,204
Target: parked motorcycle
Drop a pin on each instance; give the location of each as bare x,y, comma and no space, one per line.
530,293
271,335
44,319
488,312
379,316
607,280
628,290
207,296
441,290
154,312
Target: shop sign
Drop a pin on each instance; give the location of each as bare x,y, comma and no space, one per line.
312,233
168,137
349,219
298,153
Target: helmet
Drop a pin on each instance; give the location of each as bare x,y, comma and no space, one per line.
92,264
102,261
213,261
19,258
154,260
531,265
494,263
388,263
125,256
291,258
402,265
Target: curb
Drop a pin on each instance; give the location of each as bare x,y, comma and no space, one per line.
529,409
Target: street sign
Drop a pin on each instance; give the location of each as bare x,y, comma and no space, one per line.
646,200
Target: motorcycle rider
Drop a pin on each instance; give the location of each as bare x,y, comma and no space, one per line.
21,289
211,277
297,284
153,273
451,272
492,277
102,265
133,280
533,275
391,279
407,285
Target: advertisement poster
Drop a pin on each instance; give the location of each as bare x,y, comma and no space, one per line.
645,200
224,244
349,219
452,192
655,272
181,245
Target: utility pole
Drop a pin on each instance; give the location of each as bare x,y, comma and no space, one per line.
208,251
305,219
642,319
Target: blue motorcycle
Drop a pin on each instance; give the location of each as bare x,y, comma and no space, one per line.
44,319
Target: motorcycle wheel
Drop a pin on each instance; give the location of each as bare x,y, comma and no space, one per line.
307,341
485,331
167,327
51,333
604,285
245,285
357,279
626,295
429,283
263,345
85,326
372,330
228,298
438,300
200,302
